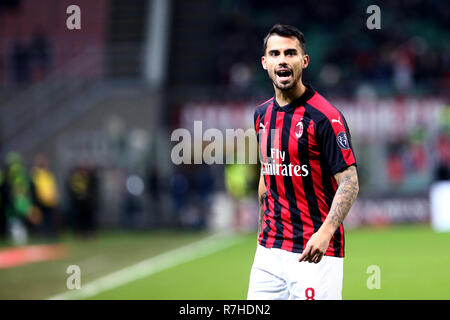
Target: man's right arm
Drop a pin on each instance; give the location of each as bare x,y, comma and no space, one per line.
262,194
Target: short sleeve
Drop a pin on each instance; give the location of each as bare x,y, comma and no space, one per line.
256,120
335,143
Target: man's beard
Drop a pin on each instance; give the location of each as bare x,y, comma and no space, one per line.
285,87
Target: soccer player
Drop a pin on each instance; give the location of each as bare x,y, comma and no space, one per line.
308,181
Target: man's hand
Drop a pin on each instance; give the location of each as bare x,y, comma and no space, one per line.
316,247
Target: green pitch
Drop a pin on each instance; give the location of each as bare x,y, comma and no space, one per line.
413,261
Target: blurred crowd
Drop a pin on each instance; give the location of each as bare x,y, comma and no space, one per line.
408,55
33,205
412,163
30,200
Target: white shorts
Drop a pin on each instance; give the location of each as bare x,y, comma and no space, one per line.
277,275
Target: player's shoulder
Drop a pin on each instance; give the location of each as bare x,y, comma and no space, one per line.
321,109
262,107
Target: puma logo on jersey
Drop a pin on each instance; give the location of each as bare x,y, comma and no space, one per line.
262,126
336,120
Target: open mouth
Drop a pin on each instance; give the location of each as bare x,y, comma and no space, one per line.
284,74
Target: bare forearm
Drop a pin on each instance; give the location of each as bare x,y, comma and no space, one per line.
261,211
343,200
346,193
262,194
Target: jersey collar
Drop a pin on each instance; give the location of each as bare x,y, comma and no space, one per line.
300,101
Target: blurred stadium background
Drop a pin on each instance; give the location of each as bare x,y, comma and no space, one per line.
86,118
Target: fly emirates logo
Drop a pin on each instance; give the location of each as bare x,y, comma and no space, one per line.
273,166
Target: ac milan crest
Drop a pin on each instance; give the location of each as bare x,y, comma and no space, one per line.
299,129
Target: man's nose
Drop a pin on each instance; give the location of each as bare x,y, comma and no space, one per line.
282,59
282,63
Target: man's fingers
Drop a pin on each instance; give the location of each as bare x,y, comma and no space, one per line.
317,258
305,254
314,255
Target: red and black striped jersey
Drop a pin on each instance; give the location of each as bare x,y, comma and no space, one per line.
302,146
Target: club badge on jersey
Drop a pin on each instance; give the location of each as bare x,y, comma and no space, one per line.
299,129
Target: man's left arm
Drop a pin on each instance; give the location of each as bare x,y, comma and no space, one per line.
346,193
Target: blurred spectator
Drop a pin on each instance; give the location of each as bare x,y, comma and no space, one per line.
132,206
179,188
201,194
191,190
403,70
240,75
443,161
2,206
39,56
18,202
395,166
239,179
45,194
154,192
442,146
83,194
20,62
417,151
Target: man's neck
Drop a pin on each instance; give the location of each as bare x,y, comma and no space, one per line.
285,97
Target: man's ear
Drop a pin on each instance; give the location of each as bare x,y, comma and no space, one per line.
263,62
305,61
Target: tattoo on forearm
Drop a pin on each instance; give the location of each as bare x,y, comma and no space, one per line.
262,198
345,196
